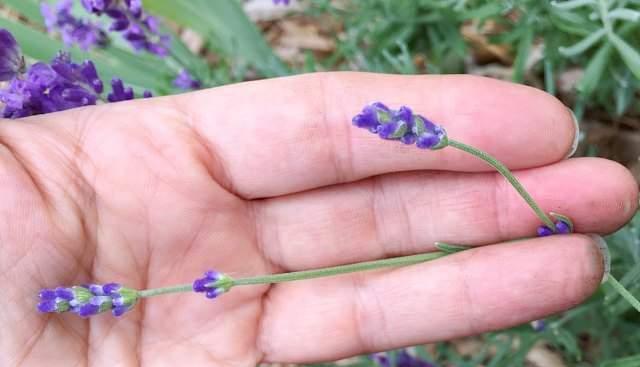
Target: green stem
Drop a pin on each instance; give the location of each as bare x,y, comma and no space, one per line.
623,292
504,171
307,274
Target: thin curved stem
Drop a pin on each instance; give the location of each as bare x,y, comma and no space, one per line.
506,173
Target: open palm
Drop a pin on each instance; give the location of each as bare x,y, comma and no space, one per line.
268,177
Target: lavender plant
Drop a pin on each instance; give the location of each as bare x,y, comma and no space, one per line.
49,87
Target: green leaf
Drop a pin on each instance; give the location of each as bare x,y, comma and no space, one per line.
225,25
583,44
523,54
594,70
624,14
629,55
631,361
572,4
30,9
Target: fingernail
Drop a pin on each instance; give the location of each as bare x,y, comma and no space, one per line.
576,136
601,244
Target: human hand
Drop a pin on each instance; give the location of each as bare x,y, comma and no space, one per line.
270,176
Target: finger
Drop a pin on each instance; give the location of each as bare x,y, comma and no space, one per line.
483,289
292,134
406,213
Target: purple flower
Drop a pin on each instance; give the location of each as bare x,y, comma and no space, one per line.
185,81
141,30
49,88
401,359
119,92
88,300
563,225
72,29
212,284
96,6
401,124
539,325
57,86
284,2
11,61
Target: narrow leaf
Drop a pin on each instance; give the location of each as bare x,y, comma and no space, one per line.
594,70
572,4
624,14
630,56
583,45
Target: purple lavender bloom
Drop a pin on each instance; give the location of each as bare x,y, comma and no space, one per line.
401,124
212,284
58,86
119,92
402,359
128,18
539,325
185,81
562,226
96,6
11,61
88,300
284,2
72,29
372,116
544,231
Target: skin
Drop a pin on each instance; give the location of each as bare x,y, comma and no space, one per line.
270,176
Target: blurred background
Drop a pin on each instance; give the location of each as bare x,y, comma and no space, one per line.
585,52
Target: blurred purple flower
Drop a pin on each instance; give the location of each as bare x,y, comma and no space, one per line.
284,2
185,81
74,31
45,88
49,88
402,359
141,30
10,57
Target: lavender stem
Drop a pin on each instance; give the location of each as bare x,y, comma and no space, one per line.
306,274
506,173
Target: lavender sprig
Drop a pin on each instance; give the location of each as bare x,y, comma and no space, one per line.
407,127
89,300
410,128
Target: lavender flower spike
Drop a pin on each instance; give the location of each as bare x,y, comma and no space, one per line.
401,124
185,81
11,61
72,29
212,284
563,225
88,300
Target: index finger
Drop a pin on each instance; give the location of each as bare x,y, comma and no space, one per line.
291,134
